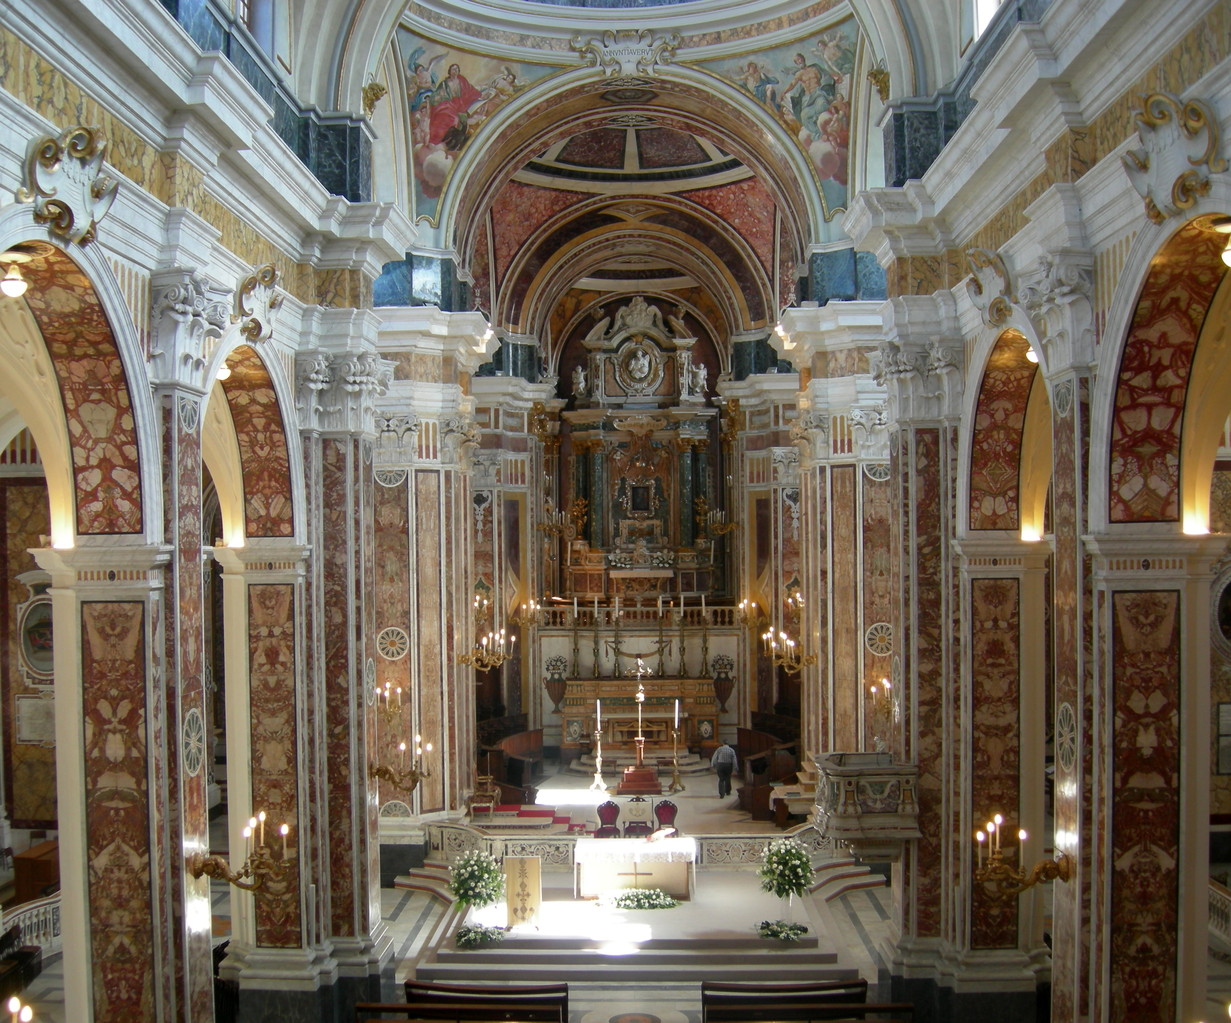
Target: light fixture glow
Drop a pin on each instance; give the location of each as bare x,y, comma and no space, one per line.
1031,354
224,372
13,284
1031,534
1226,253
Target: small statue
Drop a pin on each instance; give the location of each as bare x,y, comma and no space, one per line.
699,374
579,381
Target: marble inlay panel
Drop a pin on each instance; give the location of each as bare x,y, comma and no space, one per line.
1145,800
995,446
1144,484
878,602
995,660
271,678
117,808
430,587
94,392
846,635
268,508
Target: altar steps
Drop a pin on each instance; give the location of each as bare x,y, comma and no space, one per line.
431,879
614,762
530,960
836,877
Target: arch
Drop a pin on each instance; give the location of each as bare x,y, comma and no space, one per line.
1146,410
996,435
107,432
271,466
221,455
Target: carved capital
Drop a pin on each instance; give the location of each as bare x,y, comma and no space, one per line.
256,298
785,464
989,286
338,392
1178,153
188,314
924,382
65,181
627,52
1056,294
810,433
870,430
397,438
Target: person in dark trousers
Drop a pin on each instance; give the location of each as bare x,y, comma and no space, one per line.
724,762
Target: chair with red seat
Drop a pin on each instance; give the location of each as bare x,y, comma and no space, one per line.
664,813
608,814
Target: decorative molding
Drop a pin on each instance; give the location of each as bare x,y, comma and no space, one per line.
194,744
189,314
627,52
338,392
1179,150
785,462
256,298
989,286
66,183
392,643
391,477
870,432
1056,294
879,77
373,93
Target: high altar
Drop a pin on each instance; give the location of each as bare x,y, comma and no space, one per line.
697,707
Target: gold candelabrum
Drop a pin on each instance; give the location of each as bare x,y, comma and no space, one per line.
262,873
494,646
528,615
1001,879
403,777
711,521
783,651
677,785
881,716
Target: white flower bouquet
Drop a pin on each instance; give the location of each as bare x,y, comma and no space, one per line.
786,869
476,879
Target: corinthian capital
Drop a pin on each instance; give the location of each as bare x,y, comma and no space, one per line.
1056,294
337,392
188,314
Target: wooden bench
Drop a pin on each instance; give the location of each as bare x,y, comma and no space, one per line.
482,1011
523,756
544,1001
732,1002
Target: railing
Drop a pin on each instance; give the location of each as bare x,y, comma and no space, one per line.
40,923
1220,911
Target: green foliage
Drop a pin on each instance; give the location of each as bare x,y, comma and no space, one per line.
783,930
477,936
643,898
476,879
786,869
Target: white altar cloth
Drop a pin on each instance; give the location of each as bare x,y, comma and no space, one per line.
604,864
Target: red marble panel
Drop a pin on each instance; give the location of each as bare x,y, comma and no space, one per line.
519,211
748,208
820,702
878,590
117,809
1145,801
94,390
665,147
275,789
996,442
392,603
600,147
844,615
924,565
1153,377
431,585
261,433
338,570
995,666
183,615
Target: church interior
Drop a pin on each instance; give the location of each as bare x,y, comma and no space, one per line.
427,435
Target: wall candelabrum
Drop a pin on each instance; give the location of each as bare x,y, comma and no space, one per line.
494,646
1004,880
262,873
402,775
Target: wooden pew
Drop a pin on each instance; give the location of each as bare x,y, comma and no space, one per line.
545,1001
732,1002
483,1011
523,757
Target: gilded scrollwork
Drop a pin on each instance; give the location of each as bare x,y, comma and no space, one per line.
66,183
1179,151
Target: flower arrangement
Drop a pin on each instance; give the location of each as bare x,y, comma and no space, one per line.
476,936
782,930
786,869
643,898
476,879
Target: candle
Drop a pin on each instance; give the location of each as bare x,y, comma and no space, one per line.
574,607
598,715
999,821
284,831
677,715
660,605
979,837
14,1007
1021,841
703,603
617,604
596,609
402,750
247,841
261,818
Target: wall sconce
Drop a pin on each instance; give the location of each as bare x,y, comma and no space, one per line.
405,778
19,1013
13,284
712,522
494,647
783,651
261,874
749,614
529,614
1005,880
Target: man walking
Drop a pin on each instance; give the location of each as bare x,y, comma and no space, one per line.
724,762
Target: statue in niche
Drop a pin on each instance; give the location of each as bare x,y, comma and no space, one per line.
579,381
699,373
639,315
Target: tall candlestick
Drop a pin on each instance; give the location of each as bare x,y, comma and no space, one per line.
598,715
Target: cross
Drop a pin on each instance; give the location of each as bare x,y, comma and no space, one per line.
634,874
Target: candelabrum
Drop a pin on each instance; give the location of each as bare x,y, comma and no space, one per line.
553,523
598,785
1001,879
749,614
19,1013
783,651
881,713
711,521
405,778
494,646
528,615
261,873
676,784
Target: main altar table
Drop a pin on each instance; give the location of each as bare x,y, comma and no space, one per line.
604,864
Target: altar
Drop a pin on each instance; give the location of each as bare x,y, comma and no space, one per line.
692,699
607,864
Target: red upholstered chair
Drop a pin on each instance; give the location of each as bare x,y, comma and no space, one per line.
608,814
664,813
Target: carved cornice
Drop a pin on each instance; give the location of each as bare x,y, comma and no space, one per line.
1179,150
627,53
66,183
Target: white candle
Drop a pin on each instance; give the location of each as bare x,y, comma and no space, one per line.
596,608
284,831
660,605
677,715
617,605
574,607
703,603
598,715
